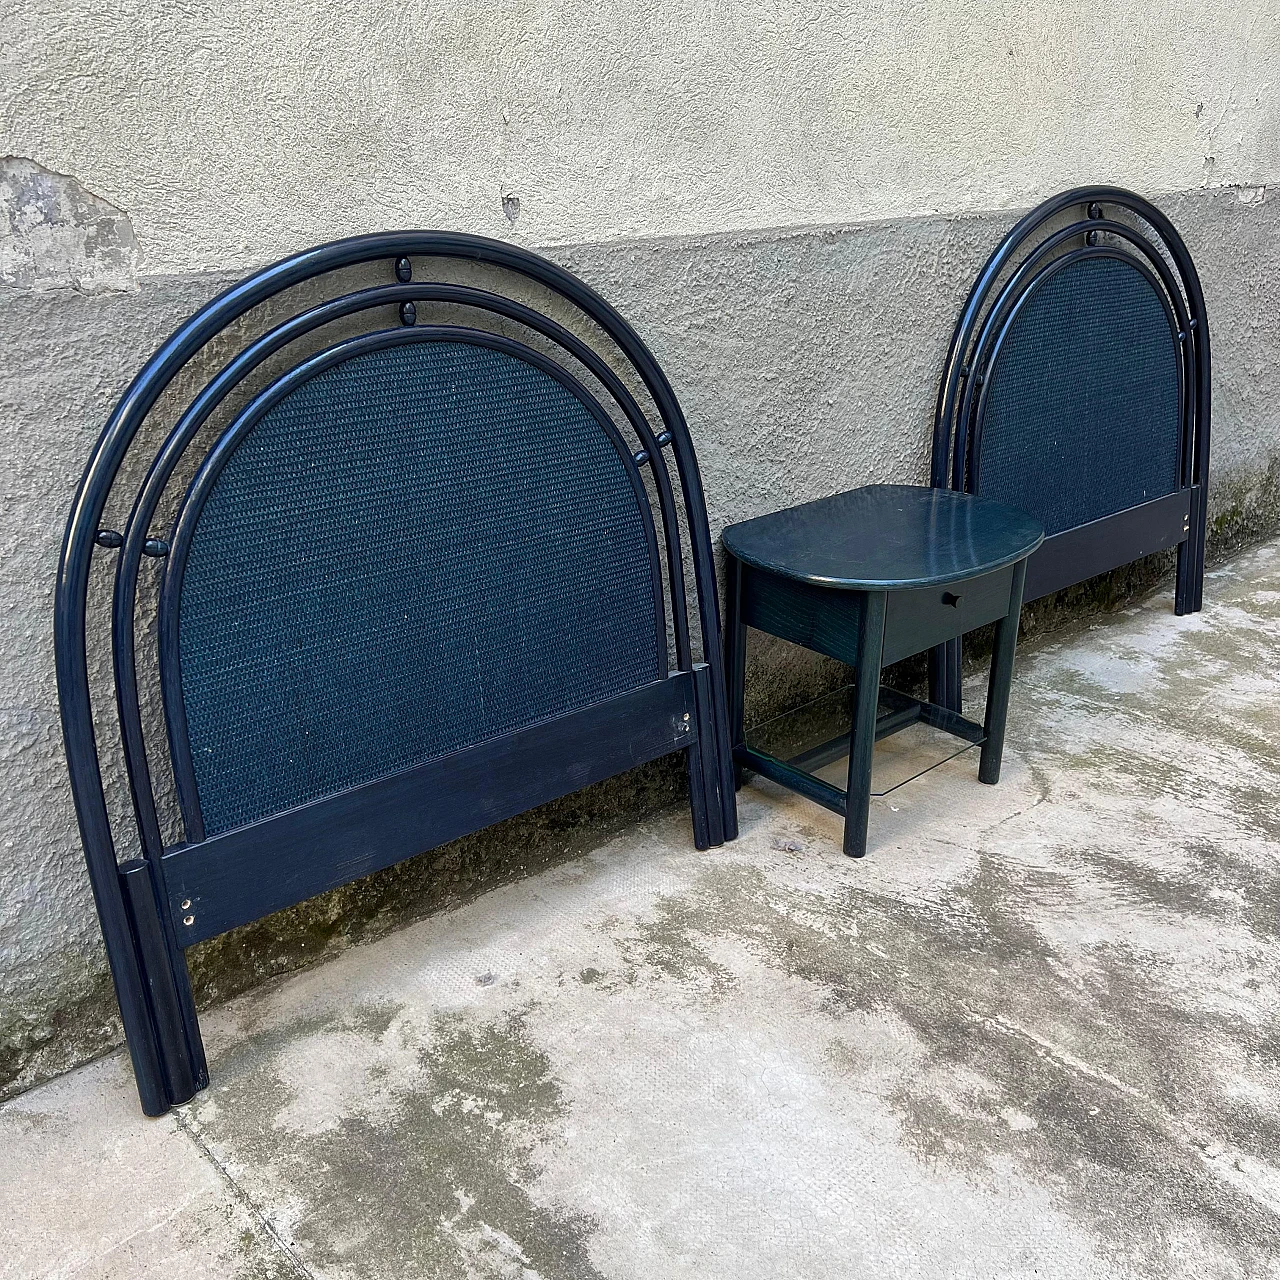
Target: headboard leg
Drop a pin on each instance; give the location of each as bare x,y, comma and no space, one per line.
704,793
182,1066
1189,590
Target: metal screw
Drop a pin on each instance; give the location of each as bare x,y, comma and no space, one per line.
188,920
404,270
1091,238
408,313
1095,210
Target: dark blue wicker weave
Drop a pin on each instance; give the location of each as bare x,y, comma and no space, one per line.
1082,417
421,548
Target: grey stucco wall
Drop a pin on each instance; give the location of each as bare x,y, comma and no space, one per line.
806,361
234,133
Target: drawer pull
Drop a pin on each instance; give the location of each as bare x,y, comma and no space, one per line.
952,599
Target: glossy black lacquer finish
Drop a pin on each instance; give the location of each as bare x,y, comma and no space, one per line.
886,536
1099,232
181,890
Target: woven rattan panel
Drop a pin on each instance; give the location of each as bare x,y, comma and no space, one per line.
1082,414
421,548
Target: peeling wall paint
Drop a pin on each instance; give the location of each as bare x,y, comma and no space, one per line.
55,234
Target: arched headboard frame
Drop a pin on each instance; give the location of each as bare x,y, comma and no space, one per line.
153,906
1089,266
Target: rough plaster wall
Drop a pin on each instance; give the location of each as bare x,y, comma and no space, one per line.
234,133
1235,251
806,362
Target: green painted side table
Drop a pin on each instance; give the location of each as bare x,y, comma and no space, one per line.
870,577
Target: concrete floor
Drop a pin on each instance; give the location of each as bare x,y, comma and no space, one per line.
1034,1033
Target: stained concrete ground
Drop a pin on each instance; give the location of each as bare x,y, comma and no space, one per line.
1034,1033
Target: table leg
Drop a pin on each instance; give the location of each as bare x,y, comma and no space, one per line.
1000,682
862,735
735,658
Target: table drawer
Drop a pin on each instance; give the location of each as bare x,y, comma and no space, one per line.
919,619
819,618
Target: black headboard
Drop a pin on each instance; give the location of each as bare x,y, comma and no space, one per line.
1077,388
419,555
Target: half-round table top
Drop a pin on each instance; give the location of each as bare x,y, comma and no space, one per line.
887,537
